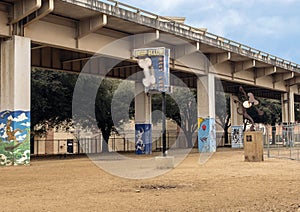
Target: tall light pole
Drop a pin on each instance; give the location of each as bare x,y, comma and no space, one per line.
164,124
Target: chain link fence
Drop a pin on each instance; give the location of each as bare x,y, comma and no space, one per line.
283,141
117,143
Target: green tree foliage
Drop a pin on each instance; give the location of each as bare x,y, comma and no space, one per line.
271,109
272,114
55,102
103,109
102,103
51,97
181,106
111,106
223,112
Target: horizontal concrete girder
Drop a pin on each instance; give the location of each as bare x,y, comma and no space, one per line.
283,76
262,72
144,40
91,24
294,81
244,65
44,10
23,8
186,49
220,58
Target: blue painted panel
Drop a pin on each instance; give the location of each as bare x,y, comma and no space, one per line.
143,138
206,135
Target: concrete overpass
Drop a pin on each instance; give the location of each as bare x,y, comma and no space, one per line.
64,34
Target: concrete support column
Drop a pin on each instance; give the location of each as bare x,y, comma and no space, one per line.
237,123
206,113
293,90
143,122
15,101
285,107
142,105
206,96
235,109
288,105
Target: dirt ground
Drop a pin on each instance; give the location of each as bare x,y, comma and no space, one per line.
223,183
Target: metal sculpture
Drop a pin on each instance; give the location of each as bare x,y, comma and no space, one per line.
248,103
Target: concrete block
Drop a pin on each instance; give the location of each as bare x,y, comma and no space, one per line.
253,146
164,162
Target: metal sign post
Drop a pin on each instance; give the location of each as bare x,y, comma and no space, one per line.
155,65
164,124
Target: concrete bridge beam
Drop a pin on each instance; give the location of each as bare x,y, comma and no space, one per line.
46,8
91,24
220,58
144,40
244,65
262,72
24,8
283,76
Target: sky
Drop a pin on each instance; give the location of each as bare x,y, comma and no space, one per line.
272,26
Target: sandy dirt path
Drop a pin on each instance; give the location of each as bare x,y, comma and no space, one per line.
223,183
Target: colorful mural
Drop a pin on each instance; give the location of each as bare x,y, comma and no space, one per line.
206,135
237,136
14,138
143,139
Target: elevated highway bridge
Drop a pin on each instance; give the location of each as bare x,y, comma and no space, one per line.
64,34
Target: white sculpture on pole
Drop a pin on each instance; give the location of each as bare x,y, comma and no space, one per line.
146,64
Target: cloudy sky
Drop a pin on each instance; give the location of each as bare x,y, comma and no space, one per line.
272,26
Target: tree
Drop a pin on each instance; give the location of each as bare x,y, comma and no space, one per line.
109,101
181,106
223,113
101,102
271,109
51,97
272,114
55,101
103,110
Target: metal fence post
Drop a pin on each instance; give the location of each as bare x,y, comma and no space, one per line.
268,140
38,147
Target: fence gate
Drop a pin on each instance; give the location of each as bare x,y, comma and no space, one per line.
287,141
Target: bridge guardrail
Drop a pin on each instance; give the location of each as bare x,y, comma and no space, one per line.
221,42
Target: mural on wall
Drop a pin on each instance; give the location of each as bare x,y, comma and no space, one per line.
206,135
14,138
143,139
237,136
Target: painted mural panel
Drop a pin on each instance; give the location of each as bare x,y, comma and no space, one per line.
14,138
143,139
206,135
237,136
